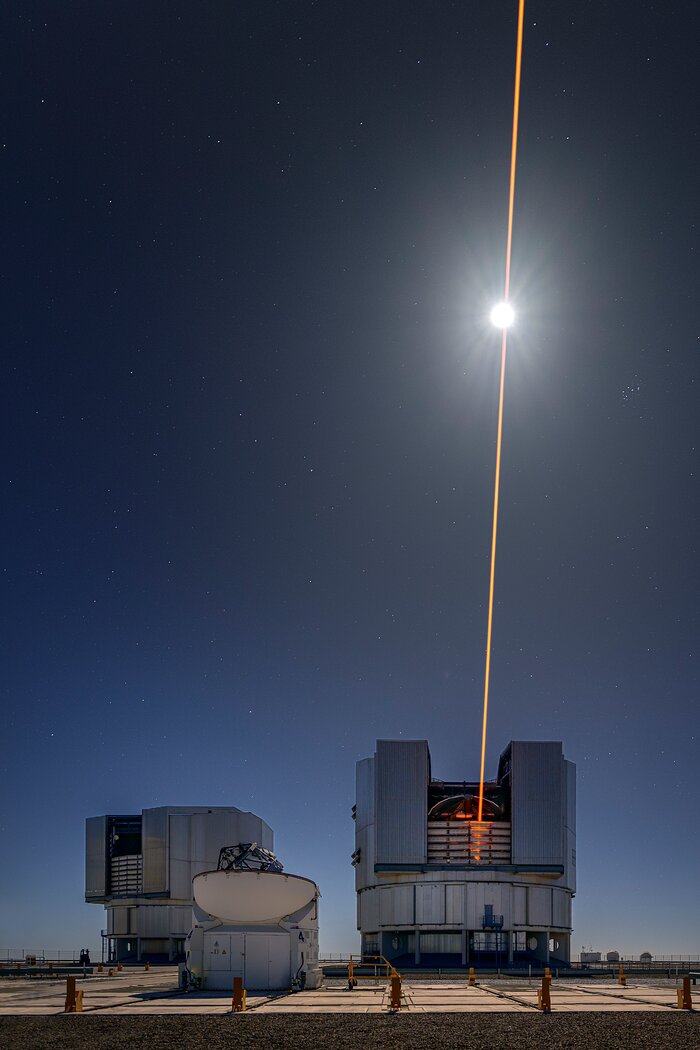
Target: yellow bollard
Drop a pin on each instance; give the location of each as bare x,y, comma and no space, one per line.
352,980
544,1001
547,972
100,968
147,967
395,992
621,977
74,999
120,967
110,972
239,996
472,976
685,998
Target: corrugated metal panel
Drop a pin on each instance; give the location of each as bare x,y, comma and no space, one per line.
250,829
154,921
364,822
155,850
364,792
570,829
369,903
396,906
430,904
180,920
455,904
561,908
519,899
539,906
180,857
441,943
120,918
211,830
402,777
95,858
537,797
364,870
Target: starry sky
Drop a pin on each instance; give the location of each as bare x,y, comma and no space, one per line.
249,417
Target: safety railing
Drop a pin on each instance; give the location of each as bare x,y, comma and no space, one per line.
379,967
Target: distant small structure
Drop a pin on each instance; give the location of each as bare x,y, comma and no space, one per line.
645,958
613,956
590,957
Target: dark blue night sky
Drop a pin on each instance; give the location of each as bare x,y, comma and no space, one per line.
249,418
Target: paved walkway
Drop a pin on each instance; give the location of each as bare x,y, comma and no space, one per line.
138,992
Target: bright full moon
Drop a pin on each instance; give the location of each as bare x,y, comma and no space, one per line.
502,315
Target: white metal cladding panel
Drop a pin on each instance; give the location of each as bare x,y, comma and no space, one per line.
539,906
479,894
120,920
364,792
570,768
155,850
211,831
430,904
95,857
561,908
402,776
519,905
364,822
364,871
537,795
180,857
570,829
251,828
153,921
369,905
455,904
396,906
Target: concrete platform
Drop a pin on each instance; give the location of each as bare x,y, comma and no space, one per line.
135,992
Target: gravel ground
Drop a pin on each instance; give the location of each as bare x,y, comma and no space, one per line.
583,1031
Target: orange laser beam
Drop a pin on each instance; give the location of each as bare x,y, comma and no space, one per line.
499,437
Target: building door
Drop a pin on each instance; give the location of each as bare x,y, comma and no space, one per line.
267,961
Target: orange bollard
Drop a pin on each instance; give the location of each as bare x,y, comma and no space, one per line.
544,1000
147,967
239,996
352,980
74,998
685,998
621,977
395,992
472,976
